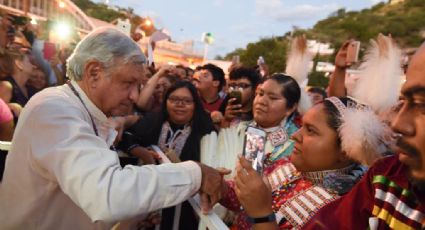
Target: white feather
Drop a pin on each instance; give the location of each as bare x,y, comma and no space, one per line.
297,66
298,61
304,103
380,75
361,134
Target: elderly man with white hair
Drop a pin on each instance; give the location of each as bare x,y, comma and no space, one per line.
60,173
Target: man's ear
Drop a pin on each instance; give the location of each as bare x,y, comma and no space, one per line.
93,71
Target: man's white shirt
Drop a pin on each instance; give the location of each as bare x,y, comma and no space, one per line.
60,175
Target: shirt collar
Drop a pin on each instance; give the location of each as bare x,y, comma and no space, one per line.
93,110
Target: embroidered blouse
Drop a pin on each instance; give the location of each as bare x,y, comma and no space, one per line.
296,196
230,143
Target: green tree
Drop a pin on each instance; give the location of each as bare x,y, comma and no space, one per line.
273,50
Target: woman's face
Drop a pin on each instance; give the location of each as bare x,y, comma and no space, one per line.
180,106
316,144
269,105
38,80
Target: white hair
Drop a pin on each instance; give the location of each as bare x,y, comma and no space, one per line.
105,45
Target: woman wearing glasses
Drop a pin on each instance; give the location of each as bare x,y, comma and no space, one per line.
177,129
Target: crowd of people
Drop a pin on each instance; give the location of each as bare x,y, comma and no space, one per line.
337,162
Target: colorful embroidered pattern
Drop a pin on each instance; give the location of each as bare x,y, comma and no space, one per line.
300,208
396,206
283,175
279,137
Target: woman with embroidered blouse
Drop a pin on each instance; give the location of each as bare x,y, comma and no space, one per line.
273,110
322,167
178,128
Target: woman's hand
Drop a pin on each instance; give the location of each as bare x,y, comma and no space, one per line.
118,124
164,70
337,80
148,156
341,56
252,191
154,218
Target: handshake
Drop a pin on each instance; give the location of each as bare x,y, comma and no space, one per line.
211,186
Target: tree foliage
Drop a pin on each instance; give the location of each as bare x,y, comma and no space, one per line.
97,10
273,50
404,21
103,12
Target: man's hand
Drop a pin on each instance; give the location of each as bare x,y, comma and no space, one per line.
252,191
232,110
216,117
211,186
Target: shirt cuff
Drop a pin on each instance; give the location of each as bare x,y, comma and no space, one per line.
195,172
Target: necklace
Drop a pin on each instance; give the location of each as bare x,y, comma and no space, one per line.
319,176
82,102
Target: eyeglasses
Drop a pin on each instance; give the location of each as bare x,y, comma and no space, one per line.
240,85
178,100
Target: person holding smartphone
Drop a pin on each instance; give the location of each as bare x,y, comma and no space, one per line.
324,165
273,109
347,56
242,84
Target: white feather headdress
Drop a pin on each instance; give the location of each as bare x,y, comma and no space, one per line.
380,75
364,136
297,66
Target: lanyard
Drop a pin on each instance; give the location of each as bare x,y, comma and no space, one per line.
79,97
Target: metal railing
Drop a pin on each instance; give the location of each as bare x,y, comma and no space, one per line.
5,145
212,221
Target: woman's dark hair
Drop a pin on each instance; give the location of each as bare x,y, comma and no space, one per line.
201,120
148,129
245,72
290,89
333,114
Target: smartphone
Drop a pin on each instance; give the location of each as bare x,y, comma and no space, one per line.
254,147
236,59
235,93
49,50
353,52
261,61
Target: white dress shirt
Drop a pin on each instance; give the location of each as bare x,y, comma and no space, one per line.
60,175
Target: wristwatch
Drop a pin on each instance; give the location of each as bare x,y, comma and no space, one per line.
269,218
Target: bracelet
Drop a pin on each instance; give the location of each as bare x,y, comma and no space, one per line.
269,218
